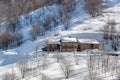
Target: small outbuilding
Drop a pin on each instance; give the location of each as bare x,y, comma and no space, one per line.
87,44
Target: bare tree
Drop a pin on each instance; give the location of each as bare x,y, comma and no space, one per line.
46,41
113,33
45,61
76,59
66,68
69,5
60,12
110,33
92,76
105,31
93,7
6,39
35,31
66,20
47,24
112,28
36,50
16,38
23,66
37,56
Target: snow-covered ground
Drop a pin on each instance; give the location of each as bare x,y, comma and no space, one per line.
81,26
52,70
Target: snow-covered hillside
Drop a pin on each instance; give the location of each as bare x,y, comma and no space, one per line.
81,26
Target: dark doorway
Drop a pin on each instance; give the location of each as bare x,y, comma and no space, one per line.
79,48
91,46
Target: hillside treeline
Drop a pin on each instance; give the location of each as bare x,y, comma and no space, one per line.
11,9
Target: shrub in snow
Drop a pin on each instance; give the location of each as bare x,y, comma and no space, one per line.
58,56
9,76
44,77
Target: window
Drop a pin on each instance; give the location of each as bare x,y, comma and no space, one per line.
91,46
58,45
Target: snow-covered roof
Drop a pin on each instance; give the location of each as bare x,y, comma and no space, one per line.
90,41
54,41
67,39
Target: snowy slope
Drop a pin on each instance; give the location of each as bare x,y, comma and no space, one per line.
81,26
